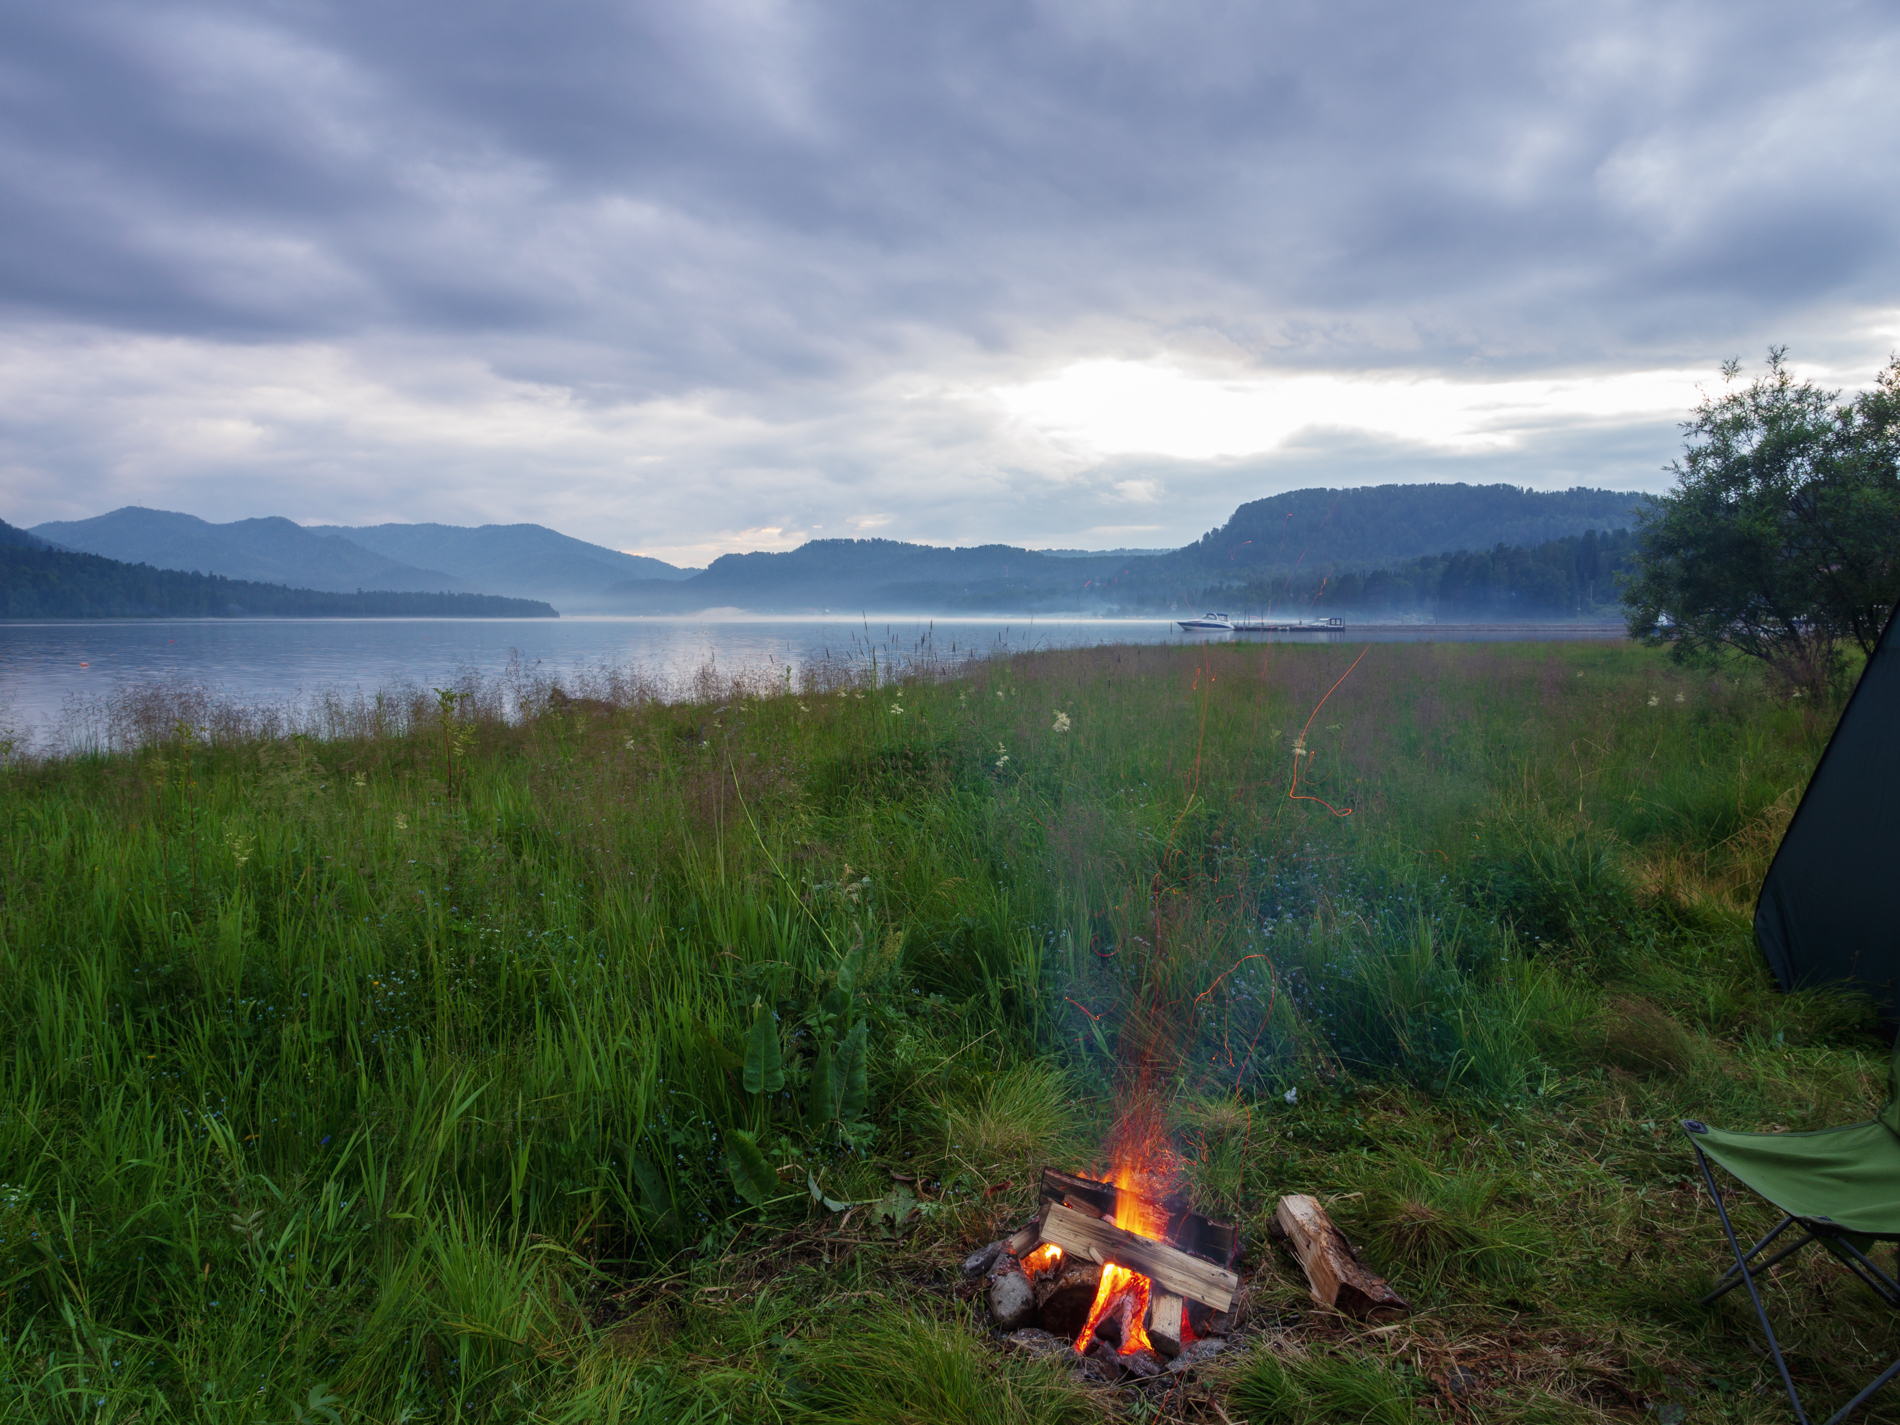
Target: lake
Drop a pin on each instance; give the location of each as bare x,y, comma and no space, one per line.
49,670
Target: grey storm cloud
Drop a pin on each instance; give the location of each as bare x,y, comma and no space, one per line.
774,210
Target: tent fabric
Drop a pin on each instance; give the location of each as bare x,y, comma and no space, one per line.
1847,1176
1829,912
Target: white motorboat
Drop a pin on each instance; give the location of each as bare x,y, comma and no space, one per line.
1208,623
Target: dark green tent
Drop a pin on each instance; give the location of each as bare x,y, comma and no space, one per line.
1829,911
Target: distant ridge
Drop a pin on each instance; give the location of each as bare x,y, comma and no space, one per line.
525,559
266,551
40,581
1386,524
1315,532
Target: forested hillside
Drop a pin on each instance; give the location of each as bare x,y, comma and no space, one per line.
1387,524
1572,577
38,582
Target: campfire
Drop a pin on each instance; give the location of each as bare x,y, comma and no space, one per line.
1113,1271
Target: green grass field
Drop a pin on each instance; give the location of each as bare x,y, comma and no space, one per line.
634,1061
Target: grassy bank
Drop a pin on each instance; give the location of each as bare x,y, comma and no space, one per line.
642,1062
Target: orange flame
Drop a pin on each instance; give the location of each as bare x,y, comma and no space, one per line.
1141,1156
1045,1258
1129,1291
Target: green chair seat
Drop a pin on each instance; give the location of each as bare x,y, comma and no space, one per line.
1839,1189
1845,1177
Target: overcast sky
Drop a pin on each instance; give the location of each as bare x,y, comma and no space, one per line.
691,278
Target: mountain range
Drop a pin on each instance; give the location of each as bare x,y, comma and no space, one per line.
526,560
39,580
523,561
1314,532
1305,532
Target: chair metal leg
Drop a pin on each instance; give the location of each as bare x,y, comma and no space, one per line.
1731,1278
1748,1279
1861,1399
1863,1266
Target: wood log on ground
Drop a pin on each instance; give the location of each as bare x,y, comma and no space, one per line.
1171,1269
1333,1274
1025,1239
1165,1314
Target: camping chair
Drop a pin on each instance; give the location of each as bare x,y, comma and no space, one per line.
1839,1187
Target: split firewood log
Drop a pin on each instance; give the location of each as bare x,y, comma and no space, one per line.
1081,1235
1166,1311
1334,1273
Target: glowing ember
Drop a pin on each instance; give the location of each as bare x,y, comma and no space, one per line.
1045,1258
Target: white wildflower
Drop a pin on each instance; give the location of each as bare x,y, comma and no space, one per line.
1680,698
402,822
1062,721
1291,1095
1653,700
1004,757
897,709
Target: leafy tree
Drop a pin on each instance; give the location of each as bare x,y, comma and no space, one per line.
1781,536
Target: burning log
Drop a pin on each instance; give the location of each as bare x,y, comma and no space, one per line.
1026,1238
1167,1319
1175,1271
1132,1279
1334,1273
1065,1294
1200,1236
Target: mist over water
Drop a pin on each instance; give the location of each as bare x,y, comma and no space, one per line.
48,669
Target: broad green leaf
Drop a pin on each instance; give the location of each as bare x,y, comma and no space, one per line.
751,1174
898,1209
764,1069
824,1099
852,966
656,1195
851,1074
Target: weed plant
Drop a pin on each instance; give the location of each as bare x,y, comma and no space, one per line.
533,1053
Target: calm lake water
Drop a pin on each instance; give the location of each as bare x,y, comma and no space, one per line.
49,669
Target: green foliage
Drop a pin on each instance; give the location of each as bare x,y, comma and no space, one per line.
849,1074
903,1371
764,1069
1778,539
1323,1386
751,1174
529,1100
